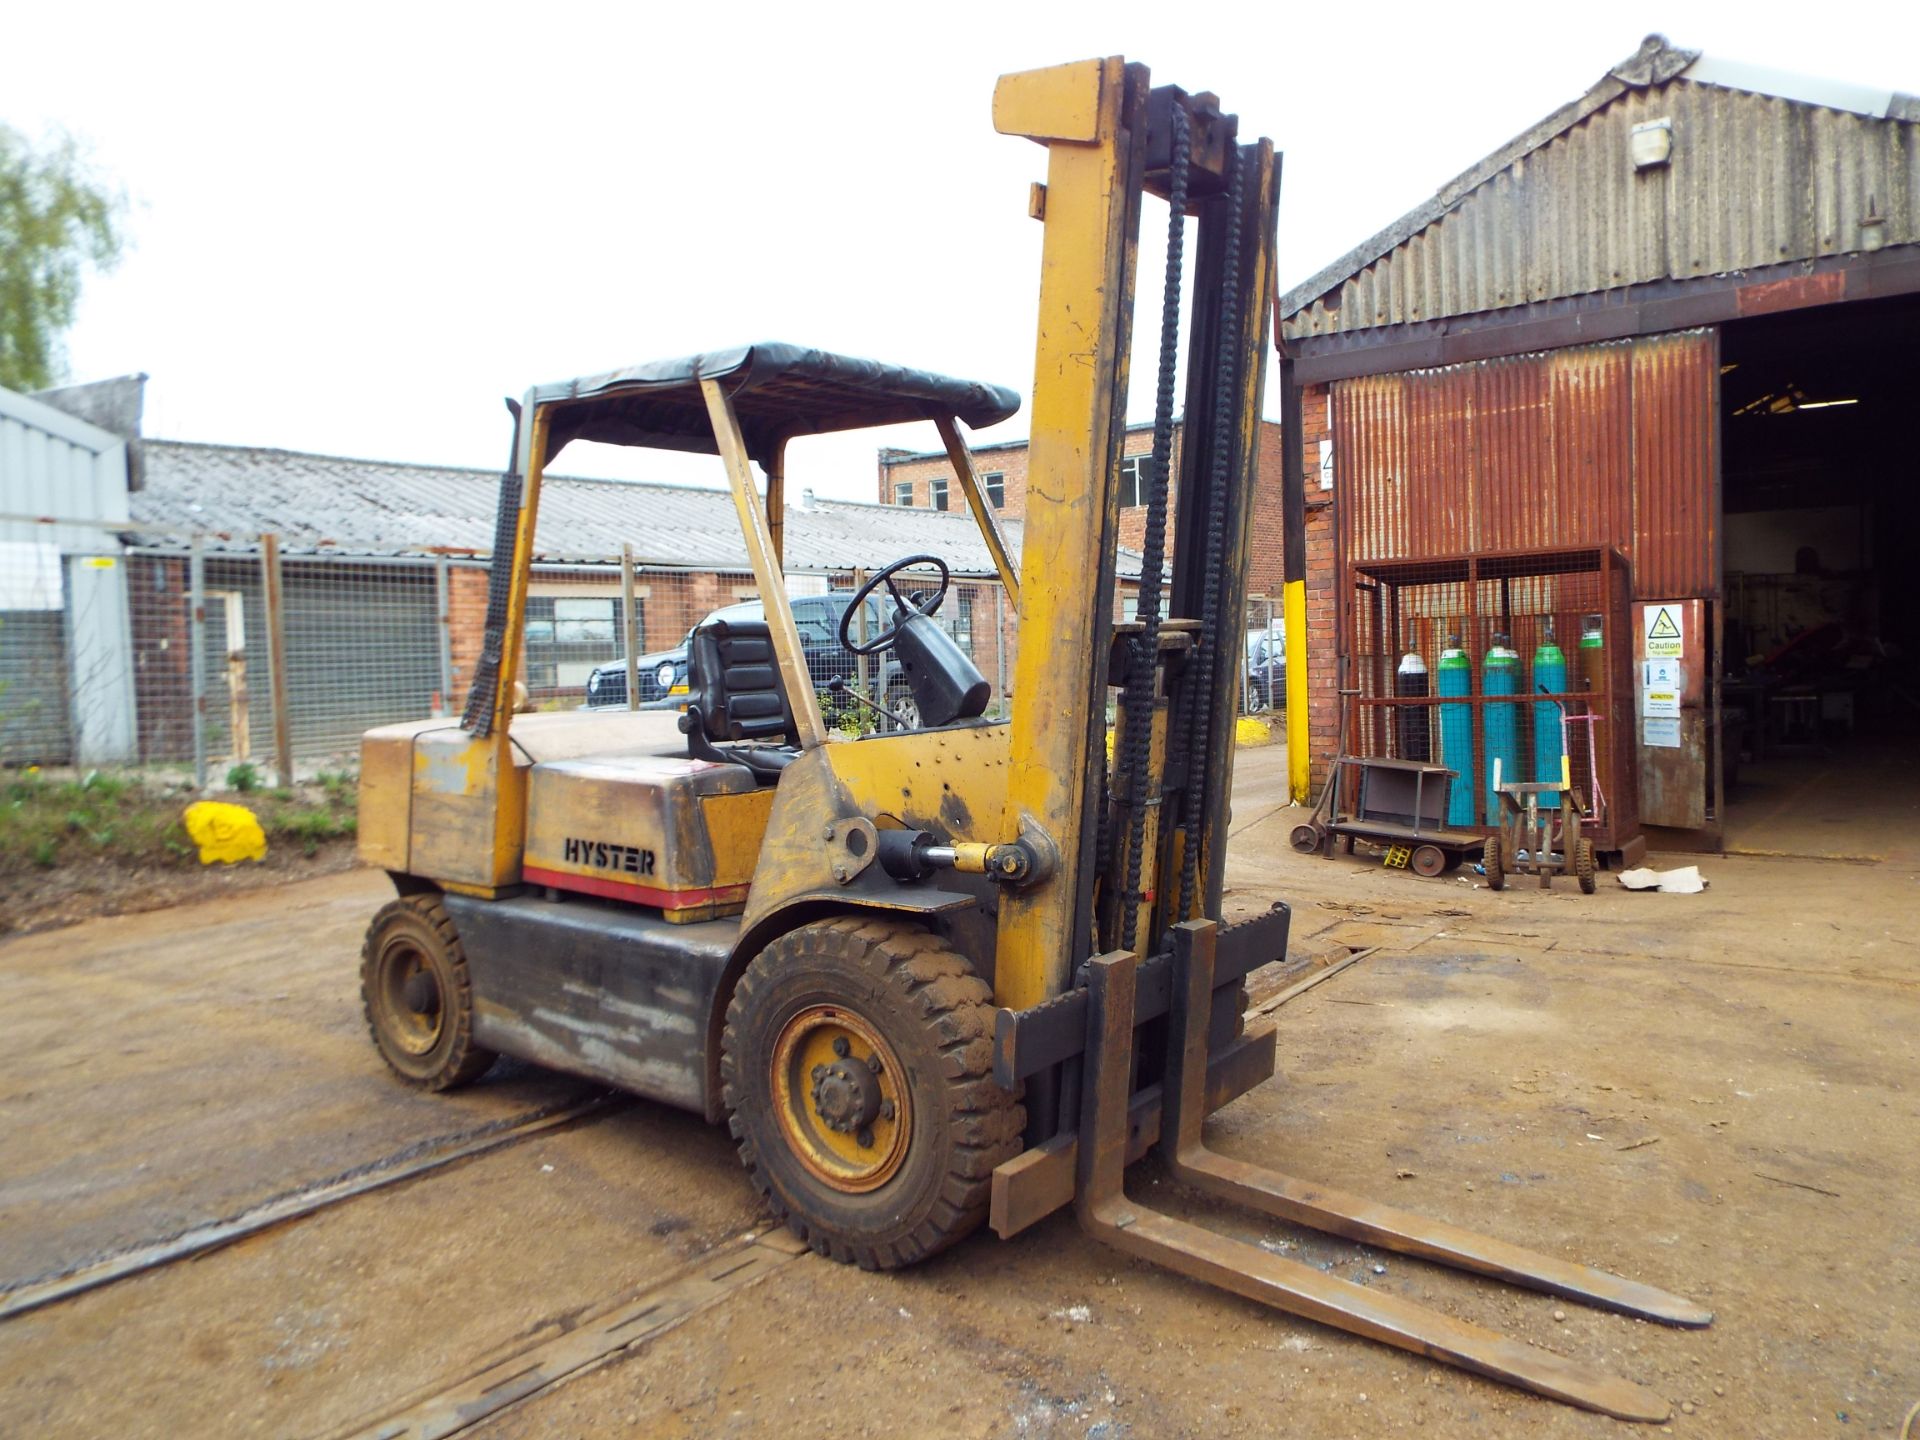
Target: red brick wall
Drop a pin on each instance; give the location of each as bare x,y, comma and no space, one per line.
898,466
466,627
1323,684
162,657
1264,573
919,470
671,604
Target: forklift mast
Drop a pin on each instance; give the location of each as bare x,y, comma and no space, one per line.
1132,857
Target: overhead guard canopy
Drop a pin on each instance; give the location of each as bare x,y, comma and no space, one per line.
779,391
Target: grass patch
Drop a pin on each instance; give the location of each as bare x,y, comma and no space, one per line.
49,823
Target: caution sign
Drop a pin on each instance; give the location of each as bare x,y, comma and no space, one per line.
1666,634
1660,684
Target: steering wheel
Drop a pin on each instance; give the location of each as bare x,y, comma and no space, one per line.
905,606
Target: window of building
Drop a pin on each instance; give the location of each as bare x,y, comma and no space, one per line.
1133,480
903,492
568,635
996,488
939,487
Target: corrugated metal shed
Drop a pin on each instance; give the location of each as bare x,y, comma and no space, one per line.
322,504
64,663
1601,445
54,464
1765,169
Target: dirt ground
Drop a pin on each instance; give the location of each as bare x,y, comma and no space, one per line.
86,888
1711,1093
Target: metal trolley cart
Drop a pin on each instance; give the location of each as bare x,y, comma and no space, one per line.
1398,804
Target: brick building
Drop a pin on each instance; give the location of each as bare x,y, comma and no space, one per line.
923,480
1674,322
385,581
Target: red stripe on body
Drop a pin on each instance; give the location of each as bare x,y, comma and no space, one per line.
632,891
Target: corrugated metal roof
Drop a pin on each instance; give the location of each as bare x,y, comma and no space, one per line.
1754,179
320,504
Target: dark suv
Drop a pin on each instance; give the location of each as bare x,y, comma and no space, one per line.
817,617
1266,670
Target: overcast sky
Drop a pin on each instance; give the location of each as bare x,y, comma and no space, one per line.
356,227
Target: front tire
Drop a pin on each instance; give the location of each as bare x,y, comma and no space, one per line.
856,1069
1490,861
416,995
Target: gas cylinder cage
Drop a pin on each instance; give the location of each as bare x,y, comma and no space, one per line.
1475,661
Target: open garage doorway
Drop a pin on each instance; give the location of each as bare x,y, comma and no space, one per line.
1820,467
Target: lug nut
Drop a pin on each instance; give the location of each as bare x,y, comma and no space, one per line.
873,1063
865,1139
886,1109
818,1071
840,1046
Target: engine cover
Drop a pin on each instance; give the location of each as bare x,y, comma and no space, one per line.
678,835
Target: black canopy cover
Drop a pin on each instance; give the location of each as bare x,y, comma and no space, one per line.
778,391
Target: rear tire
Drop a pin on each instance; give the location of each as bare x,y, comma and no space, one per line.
1307,838
857,1072
1490,862
417,997
1583,867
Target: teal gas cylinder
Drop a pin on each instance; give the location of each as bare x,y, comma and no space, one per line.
1456,731
1500,675
1550,675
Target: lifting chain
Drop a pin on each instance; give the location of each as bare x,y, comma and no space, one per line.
1143,665
1197,692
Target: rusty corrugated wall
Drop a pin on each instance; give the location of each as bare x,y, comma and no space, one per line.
1754,180
1607,444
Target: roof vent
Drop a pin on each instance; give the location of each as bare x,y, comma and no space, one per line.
806,499
1651,143
1873,226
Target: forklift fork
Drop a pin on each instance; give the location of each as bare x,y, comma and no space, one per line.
1107,1213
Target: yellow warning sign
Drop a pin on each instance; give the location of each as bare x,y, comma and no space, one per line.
1666,635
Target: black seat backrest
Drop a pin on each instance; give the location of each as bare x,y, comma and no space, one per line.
734,687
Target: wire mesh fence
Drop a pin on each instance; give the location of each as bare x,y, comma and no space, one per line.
140,646
1263,672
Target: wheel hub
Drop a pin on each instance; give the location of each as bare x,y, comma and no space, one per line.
409,992
841,1099
422,996
846,1094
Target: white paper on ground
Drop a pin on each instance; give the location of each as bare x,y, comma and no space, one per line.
1684,881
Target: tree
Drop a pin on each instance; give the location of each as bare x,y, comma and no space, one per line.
56,221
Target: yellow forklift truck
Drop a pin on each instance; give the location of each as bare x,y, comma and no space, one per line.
960,974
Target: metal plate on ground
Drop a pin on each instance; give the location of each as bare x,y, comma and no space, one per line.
650,1313
1374,934
297,1204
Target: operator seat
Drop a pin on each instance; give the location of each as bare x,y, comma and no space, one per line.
736,695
